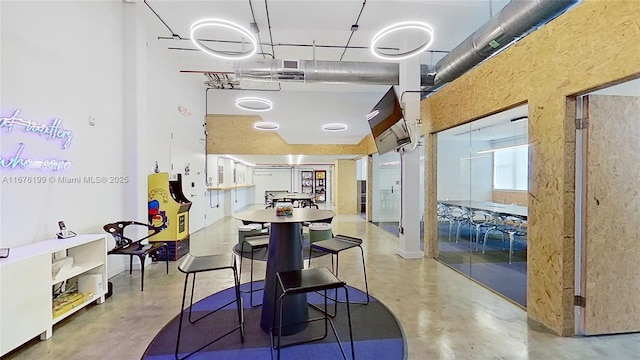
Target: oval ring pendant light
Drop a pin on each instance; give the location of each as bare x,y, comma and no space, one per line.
254,104
266,125
413,25
246,34
334,127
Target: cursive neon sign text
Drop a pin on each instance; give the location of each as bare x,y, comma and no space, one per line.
52,131
17,161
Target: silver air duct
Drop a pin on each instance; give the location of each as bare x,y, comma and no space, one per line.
514,21
314,71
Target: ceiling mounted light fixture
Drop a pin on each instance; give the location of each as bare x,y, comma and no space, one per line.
228,55
411,25
334,127
266,126
254,104
503,148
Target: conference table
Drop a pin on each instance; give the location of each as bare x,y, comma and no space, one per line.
503,209
285,254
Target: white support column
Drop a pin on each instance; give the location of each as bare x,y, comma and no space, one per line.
137,163
409,244
134,92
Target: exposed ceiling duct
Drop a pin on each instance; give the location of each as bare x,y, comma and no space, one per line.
515,20
315,71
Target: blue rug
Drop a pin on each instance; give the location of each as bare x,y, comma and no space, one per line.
376,332
491,268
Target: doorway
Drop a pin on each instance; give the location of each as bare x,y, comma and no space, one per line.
607,208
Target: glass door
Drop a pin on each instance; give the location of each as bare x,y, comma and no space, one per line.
386,192
454,176
482,201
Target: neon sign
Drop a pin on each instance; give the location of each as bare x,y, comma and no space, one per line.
51,132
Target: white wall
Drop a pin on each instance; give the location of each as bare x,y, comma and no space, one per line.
225,202
272,179
117,88
361,168
62,60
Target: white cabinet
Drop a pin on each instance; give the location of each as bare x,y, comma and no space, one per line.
27,285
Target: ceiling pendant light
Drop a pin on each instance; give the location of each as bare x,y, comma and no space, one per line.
334,127
412,25
266,126
254,104
227,55
503,148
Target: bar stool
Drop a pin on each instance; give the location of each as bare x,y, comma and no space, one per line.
318,231
247,229
334,246
302,282
253,242
197,264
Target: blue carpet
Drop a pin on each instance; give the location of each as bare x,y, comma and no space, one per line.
376,332
507,279
492,268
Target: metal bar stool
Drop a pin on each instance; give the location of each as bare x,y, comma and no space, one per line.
334,246
197,264
252,242
302,282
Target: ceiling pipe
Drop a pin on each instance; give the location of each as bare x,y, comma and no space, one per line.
315,71
517,19
514,21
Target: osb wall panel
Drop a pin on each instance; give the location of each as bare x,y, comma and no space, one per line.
234,134
370,180
510,197
346,189
613,204
430,195
593,44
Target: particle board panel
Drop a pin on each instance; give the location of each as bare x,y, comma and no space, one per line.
346,192
592,45
546,258
510,197
431,248
234,134
612,244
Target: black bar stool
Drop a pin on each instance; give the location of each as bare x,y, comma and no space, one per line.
197,264
334,246
302,282
253,242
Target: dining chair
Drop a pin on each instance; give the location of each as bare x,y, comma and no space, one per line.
131,248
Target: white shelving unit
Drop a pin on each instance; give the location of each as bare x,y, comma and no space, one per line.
27,283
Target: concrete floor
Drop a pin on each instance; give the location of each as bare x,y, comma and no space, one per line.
443,314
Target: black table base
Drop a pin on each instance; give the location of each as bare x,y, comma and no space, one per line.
285,254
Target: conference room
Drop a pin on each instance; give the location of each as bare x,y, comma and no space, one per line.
482,201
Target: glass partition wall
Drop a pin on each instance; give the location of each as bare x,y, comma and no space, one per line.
482,201
386,192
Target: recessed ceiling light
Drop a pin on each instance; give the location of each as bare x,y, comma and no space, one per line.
334,127
266,125
412,25
228,55
254,104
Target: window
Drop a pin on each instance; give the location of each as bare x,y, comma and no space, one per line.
511,169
